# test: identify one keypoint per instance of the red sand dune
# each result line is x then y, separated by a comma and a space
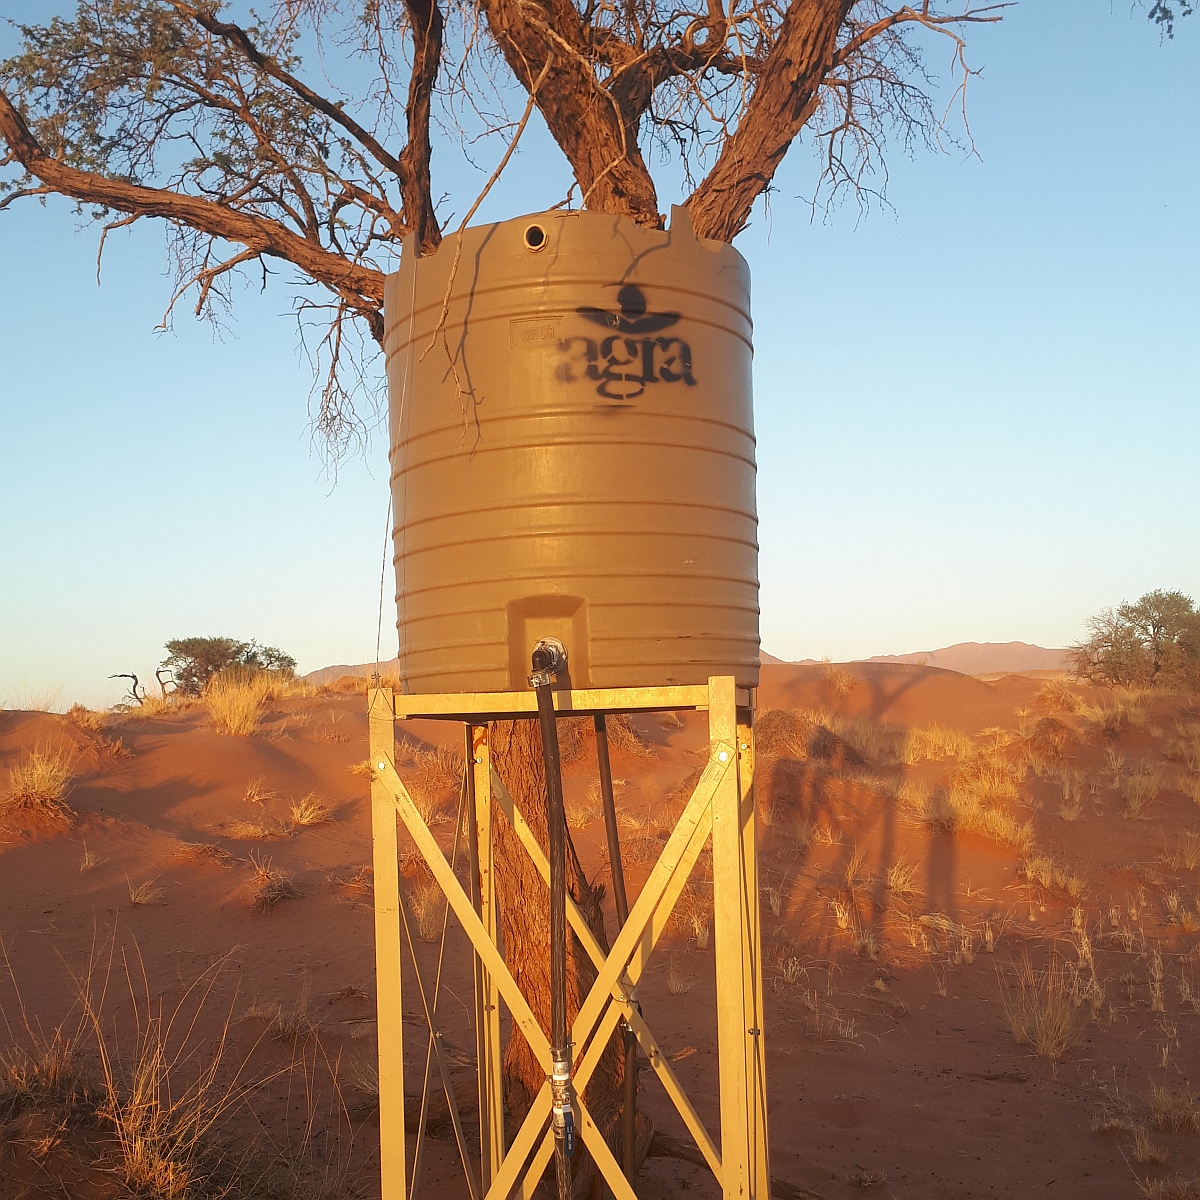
890, 946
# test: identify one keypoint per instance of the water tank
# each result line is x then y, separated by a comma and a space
572, 455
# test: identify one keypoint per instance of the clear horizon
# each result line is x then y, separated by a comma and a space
976, 410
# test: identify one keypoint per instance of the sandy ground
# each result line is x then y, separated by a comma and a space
892, 947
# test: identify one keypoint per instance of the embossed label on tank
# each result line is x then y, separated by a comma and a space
627, 361
534, 332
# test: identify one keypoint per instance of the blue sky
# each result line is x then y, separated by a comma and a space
978, 410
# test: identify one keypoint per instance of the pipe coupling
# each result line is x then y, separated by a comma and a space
549, 657
562, 1101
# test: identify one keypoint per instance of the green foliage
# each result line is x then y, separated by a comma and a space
195, 660
1153, 643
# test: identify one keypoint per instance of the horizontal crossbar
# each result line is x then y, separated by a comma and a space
483, 706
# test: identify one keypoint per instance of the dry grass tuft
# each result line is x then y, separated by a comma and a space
1042, 747
1057, 696
581, 813
901, 878
205, 852
40, 784
1139, 790
1071, 782
1045, 872
89, 862
840, 680
436, 769
934, 744
364, 769
258, 793
428, 906
271, 885
678, 981
86, 718
359, 886
1169, 1187
1176, 1110
145, 895
954, 809
48, 1074
310, 811
623, 735
1042, 1015
1145, 1151
253, 831
237, 699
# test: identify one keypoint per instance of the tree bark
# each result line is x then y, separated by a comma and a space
525, 927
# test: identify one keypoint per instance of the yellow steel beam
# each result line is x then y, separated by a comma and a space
489, 1051
481, 705
752, 995
628, 980
729, 932
644, 925
522, 1015
385, 857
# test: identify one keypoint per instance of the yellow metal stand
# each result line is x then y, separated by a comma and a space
720, 807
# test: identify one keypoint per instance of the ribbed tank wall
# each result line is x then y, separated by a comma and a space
572, 455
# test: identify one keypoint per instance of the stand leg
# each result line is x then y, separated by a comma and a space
730, 937
382, 717
752, 964
489, 1052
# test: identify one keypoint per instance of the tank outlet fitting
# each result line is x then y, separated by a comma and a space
548, 659
562, 1099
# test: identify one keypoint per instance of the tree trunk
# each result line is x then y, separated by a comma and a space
525, 926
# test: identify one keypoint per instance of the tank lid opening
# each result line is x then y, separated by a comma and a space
535, 238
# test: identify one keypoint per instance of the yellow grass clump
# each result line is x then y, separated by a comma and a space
271, 885
310, 811
237, 698
145, 895
934, 743
86, 718
1042, 1014
581, 813
1176, 1110
40, 782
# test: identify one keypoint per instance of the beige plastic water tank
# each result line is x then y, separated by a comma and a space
572, 455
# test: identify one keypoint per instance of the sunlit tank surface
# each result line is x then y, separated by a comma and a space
572, 455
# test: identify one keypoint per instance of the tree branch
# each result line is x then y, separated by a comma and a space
362, 286
785, 97
269, 66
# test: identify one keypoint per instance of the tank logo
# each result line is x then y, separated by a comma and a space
626, 361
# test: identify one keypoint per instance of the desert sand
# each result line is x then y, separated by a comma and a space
945, 862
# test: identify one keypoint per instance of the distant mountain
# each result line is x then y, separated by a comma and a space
968, 658
983, 658
392, 667
389, 666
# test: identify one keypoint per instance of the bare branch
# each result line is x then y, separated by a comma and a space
258, 233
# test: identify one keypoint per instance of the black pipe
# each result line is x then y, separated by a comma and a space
621, 900
548, 659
